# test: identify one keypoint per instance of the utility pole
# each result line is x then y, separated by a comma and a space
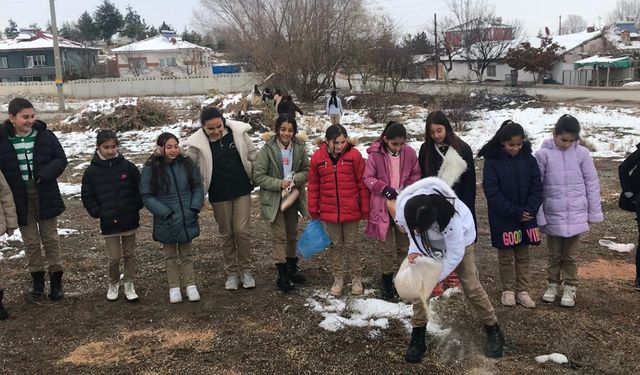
56, 56
559, 25
435, 34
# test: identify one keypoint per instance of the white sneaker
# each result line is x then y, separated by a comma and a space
175, 296
130, 292
232, 282
114, 289
551, 293
569, 296
192, 293
248, 281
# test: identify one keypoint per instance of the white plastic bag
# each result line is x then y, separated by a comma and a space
415, 282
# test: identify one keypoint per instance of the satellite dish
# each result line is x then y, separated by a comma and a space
173, 40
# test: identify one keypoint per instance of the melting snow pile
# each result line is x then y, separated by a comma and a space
554, 357
101, 108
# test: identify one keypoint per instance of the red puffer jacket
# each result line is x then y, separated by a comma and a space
336, 193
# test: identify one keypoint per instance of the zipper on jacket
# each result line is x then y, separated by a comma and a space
335, 175
184, 217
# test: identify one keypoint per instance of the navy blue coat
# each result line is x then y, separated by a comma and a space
49, 161
629, 174
512, 185
110, 193
175, 208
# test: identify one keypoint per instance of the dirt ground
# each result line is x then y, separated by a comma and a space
263, 331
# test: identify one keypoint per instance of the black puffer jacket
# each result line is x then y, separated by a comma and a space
110, 193
629, 173
49, 161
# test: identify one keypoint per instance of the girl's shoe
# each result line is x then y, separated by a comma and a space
508, 298
338, 284
524, 299
232, 282
175, 296
551, 293
130, 292
112, 292
569, 296
192, 293
356, 286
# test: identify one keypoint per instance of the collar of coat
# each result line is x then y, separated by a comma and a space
8, 130
452, 168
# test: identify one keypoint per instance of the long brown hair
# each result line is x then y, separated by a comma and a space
438, 117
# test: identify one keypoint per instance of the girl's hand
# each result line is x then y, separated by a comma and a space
525, 216
412, 257
285, 184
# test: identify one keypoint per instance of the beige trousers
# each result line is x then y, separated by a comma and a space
514, 278
563, 264
393, 249
343, 247
285, 234
183, 253
233, 223
121, 247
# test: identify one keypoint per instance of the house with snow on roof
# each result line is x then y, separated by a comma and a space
29, 57
576, 46
164, 55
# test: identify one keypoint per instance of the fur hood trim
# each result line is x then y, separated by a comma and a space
452, 168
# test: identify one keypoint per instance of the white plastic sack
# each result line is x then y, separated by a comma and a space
415, 282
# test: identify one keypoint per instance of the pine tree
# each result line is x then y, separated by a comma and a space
69, 30
165, 26
87, 29
134, 25
11, 31
35, 26
191, 37
152, 32
108, 20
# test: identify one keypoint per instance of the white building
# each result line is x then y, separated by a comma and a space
576, 46
165, 55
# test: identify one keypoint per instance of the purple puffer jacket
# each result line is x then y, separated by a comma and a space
571, 190
376, 177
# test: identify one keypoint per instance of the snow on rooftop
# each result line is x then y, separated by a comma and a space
37, 40
159, 43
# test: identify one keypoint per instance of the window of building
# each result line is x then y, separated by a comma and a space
491, 71
168, 62
4, 64
26, 79
37, 60
138, 63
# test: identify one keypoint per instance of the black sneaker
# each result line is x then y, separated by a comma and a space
495, 341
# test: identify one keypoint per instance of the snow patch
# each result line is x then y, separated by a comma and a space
554, 357
69, 189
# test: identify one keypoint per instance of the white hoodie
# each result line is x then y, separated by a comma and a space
459, 234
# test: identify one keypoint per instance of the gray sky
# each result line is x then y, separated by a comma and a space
411, 15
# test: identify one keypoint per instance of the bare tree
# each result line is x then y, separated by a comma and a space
303, 42
573, 24
626, 10
483, 39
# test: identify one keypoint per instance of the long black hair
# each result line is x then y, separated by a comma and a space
334, 99
285, 117
159, 176
421, 212
567, 124
507, 130
392, 130
438, 117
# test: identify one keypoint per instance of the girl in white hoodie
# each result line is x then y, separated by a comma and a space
439, 225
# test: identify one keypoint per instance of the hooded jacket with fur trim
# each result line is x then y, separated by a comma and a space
336, 192
376, 178
268, 174
198, 149
459, 233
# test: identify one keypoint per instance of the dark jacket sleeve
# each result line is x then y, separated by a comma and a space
52, 170
135, 176
495, 197
297, 109
197, 192
535, 188
468, 180
88, 195
624, 171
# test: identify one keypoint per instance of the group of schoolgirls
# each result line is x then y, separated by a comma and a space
432, 195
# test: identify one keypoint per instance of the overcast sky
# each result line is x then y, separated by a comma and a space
410, 15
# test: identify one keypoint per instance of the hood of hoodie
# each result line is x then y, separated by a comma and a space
496, 152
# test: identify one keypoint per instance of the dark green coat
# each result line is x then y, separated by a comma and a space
268, 174
175, 210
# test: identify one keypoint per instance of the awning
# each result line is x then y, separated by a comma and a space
604, 62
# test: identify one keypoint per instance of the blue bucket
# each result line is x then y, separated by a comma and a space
314, 239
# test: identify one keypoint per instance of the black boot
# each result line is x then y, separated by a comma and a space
56, 293
284, 284
294, 275
387, 290
3, 312
417, 345
495, 341
37, 290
